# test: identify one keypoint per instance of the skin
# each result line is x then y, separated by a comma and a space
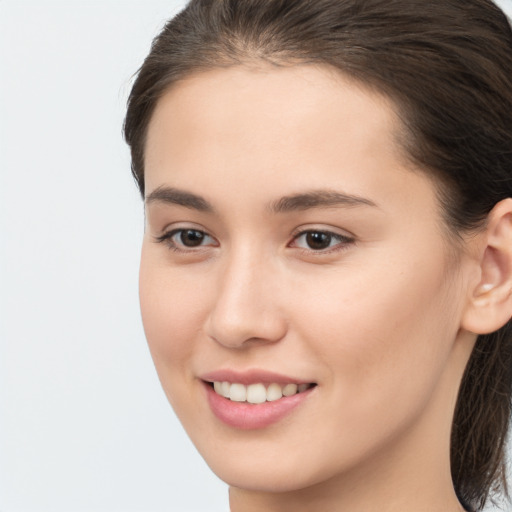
377, 320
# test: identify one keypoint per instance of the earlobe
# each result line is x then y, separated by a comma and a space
490, 300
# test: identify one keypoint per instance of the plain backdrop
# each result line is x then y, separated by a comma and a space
84, 425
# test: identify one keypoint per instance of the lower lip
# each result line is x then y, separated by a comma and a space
246, 416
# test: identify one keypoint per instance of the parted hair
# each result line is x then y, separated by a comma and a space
447, 66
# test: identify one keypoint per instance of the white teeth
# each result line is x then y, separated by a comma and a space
238, 393
257, 393
224, 389
274, 392
290, 389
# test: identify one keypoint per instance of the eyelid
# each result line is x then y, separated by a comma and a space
336, 232
344, 240
167, 238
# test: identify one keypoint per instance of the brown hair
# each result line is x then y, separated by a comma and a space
447, 65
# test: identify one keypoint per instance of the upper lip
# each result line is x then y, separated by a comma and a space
252, 376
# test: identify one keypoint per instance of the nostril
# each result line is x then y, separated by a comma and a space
237, 321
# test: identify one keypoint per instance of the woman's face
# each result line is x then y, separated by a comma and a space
288, 242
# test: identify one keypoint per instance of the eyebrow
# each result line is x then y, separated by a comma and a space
318, 199
169, 195
291, 203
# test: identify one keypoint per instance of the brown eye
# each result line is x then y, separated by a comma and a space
321, 241
187, 239
191, 237
317, 240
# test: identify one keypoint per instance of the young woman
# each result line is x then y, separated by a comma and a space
326, 274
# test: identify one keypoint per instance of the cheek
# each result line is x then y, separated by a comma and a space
384, 332
171, 314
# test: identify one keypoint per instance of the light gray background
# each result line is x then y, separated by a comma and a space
84, 425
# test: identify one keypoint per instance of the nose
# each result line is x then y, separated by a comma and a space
246, 309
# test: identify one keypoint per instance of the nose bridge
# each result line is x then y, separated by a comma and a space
245, 307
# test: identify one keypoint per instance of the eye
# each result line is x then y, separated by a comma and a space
189, 237
186, 239
316, 240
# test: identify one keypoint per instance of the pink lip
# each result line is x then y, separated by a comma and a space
250, 377
243, 415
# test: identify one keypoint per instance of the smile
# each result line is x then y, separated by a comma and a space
254, 405
257, 393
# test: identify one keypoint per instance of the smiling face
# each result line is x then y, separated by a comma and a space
289, 242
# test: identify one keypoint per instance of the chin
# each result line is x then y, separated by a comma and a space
266, 466
274, 480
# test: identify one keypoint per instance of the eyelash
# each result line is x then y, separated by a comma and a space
343, 241
167, 239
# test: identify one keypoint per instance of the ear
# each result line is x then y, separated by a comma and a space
490, 299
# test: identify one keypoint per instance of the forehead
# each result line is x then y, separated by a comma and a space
266, 107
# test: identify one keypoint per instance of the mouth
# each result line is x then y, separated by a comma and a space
254, 398
259, 392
